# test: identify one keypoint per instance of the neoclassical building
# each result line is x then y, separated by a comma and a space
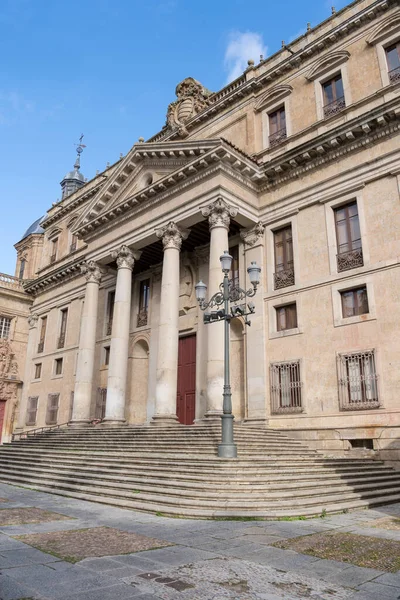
295, 165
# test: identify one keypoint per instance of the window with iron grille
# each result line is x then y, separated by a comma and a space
38, 370
393, 62
5, 324
110, 311
333, 94
52, 409
277, 126
101, 402
63, 328
286, 387
144, 298
284, 266
358, 381
31, 410
348, 236
354, 302
286, 317
58, 366
43, 327
74, 243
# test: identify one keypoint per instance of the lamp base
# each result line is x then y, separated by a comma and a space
227, 450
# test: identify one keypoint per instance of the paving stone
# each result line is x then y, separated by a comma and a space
355, 576
100, 564
376, 591
389, 579
12, 590
116, 592
30, 555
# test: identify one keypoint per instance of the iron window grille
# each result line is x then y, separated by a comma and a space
334, 101
284, 266
52, 409
393, 61
72, 247
334, 107
286, 387
278, 137
101, 402
40, 347
5, 325
144, 298
31, 410
277, 127
358, 381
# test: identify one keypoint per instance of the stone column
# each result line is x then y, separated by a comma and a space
118, 367
219, 214
256, 359
30, 351
87, 343
168, 330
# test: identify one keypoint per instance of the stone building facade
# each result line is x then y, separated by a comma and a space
295, 165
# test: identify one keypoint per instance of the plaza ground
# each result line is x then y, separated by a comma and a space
59, 548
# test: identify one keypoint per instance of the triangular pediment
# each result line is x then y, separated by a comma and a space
145, 167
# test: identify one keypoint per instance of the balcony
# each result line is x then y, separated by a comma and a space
284, 278
61, 341
349, 260
277, 138
142, 318
40, 347
394, 75
334, 107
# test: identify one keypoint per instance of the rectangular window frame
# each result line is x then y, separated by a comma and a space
344, 286
109, 311
54, 249
42, 334
381, 46
270, 254
142, 318
358, 380
31, 411
5, 327
37, 371
62, 327
286, 387
338, 103
276, 303
52, 408
290, 315
319, 95
267, 111
354, 294
57, 362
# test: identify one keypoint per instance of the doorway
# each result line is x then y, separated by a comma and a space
186, 392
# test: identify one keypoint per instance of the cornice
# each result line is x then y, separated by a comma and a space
62, 274
353, 135
67, 208
242, 86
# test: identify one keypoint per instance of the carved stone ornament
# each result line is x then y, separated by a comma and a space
124, 257
219, 213
172, 236
8, 364
252, 235
33, 320
192, 98
92, 271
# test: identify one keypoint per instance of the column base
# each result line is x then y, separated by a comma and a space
113, 422
79, 424
164, 420
213, 415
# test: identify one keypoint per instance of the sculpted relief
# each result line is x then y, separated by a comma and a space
8, 362
192, 98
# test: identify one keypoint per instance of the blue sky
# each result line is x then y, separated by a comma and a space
108, 68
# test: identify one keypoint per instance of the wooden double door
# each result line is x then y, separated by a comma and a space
186, 393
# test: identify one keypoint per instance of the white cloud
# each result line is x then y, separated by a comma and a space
241, 47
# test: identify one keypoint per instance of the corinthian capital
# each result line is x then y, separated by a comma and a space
172, 236
250, 236
32, 320
219, 213
124, 257
92, 271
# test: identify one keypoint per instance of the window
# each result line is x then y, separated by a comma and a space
31, 410
234, 272
110, 311
348, 237
5, 324
284, 267
58, 366
106, 356
144, 297
42, 338
63, 328
52, 409
358, 381
101, 401
277, 126
286, 317
285, 387
354, 302
38, 370
53, 252
74, 243
22, 265
333, 96
393, 62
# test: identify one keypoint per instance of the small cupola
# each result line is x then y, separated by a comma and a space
74, 179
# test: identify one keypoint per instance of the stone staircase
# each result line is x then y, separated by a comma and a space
176, 471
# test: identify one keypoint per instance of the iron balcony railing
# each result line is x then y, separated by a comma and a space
394, 75
276, 138
350, 260
334, 107
284, 278
142, 318
358, 381
286, 387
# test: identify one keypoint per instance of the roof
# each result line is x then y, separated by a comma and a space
34, 228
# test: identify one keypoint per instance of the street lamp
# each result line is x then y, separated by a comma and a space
228, 292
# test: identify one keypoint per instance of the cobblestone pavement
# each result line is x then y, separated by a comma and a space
206, 560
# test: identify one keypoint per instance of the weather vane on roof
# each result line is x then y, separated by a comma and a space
80, 146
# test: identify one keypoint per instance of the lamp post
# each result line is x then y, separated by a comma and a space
228, 292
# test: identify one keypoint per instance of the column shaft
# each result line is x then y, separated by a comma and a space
118, 367
87, 343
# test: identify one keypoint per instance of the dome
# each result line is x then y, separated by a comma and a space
34, 228
77, 175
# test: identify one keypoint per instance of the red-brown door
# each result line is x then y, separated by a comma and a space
186, 395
